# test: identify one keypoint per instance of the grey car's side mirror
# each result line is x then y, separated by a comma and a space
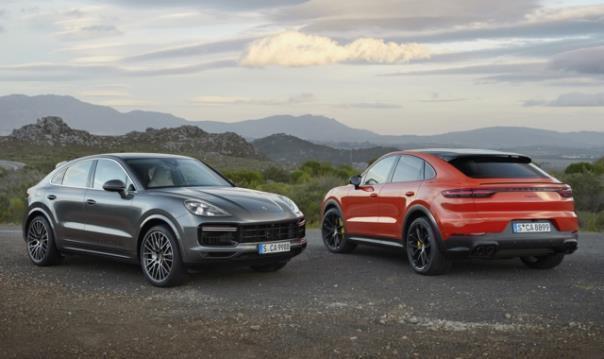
115, 186
356, 181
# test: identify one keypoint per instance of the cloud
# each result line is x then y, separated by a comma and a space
192, 50
236, 100
101, 29
369, 105
524, 67
554, 24
214, 4
50, 71
586, 61
299, 49
436, 98
297, 99
479, 10
575, 99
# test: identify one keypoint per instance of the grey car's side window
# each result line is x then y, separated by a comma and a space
58, 177
408, 169
107, 170
77, 174
379, 172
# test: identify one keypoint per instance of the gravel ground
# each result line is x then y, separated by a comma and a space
365, 304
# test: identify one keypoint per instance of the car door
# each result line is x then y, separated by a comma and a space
361, 206
111, 219
66, 196
396, 195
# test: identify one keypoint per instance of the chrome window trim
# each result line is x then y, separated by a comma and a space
91, 188
119, 164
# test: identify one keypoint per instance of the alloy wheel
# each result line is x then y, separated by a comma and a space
333, 230
158, 255
37, 240
419, 244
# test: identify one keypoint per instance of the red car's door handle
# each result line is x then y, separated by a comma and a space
410, 194
373, 194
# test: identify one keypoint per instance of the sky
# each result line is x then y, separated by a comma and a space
391, 66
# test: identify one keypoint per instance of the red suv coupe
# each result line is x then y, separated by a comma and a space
439, 204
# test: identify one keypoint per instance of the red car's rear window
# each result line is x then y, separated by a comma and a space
497, 167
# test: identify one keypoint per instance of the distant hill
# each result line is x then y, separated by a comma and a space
50, 139
309, 127
291, 150
19, 110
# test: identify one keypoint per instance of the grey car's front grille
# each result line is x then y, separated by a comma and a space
265, 232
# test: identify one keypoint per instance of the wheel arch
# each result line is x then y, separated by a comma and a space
157, 220
331, 203
38, 210
417, 211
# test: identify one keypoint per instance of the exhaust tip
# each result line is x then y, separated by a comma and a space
484, 250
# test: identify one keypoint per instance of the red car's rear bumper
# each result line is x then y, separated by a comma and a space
507, 244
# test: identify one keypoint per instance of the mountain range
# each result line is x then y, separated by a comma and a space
287, 149
19, 110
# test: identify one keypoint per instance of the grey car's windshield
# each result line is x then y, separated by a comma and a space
175, 172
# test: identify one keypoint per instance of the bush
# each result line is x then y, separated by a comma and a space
276, 174
248, 179
587, 190
580, 167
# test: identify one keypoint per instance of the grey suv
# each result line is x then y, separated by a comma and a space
165, 212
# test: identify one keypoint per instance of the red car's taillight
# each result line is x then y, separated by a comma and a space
566, 192
468, 193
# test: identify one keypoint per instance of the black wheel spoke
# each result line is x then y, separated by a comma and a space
419, 245
333, 230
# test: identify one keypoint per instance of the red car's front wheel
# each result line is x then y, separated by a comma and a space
422, 249
332, 231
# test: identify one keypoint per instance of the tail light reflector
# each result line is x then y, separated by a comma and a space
468, 193
566, 192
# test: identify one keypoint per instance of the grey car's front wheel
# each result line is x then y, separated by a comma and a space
160, 258
40, 241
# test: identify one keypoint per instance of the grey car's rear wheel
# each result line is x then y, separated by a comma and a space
543, 262
40, 242
160, 258
334, 234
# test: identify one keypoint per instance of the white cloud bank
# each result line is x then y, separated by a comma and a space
294, 48
575, 99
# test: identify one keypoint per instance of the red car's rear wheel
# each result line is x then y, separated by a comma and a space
422, 249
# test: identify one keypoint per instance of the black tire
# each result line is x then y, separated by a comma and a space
543, 262
334, 234
270, 267
160, 258
40, 242
422, 249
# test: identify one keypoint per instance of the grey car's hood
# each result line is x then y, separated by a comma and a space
245, 204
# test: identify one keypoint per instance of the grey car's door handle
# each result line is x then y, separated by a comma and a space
91, 202
51, 197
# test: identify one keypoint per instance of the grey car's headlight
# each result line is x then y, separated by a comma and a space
292, 206
201, 208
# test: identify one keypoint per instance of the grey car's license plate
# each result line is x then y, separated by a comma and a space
532, 227
274, 247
